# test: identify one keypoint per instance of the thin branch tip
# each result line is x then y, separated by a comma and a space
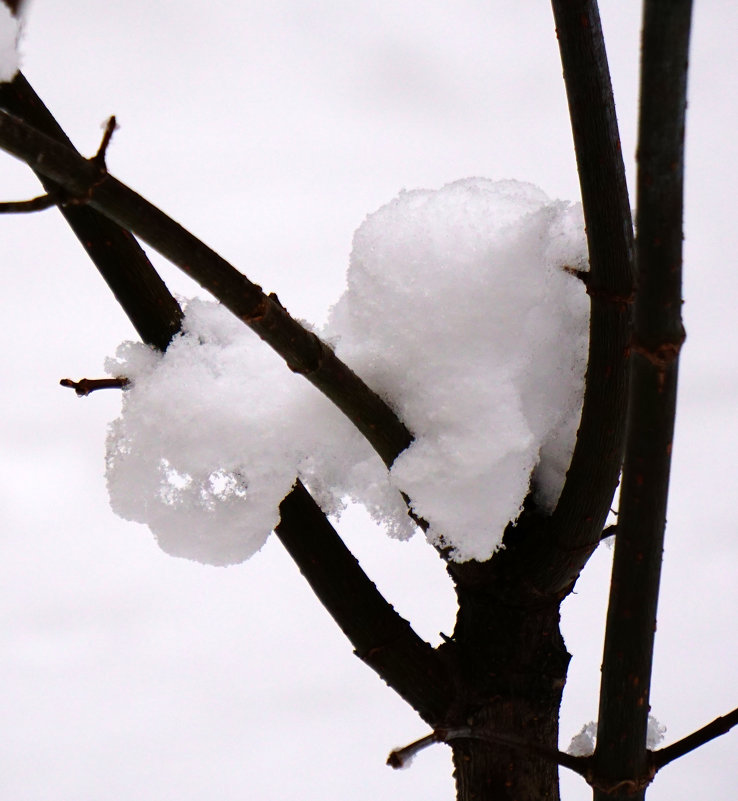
402, 757
85, 386
40, 203
99, 157
691, 742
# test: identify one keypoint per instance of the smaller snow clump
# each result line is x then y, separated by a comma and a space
583, 744
461, 311
9, 35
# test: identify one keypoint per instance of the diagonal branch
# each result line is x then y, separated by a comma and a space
380, 636
580, 515
121, 261
715, 728
657, 338
303, 351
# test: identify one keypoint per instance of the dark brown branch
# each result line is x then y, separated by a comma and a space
99, 157
85, 386
381, 638
716, 728
580, 515
121, 261
610, 531
25, 206
400, 756
303, 351
657, 338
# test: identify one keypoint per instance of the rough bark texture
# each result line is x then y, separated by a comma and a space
512, 668
509, 663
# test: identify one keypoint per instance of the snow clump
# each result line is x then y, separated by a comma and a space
583, 744
458, 312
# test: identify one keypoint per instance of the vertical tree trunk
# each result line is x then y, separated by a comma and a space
512, 668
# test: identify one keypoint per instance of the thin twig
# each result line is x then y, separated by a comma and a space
716, 728
401, 756
25, 206
99, 157
85, 386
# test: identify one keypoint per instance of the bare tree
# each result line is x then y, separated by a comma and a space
493, 690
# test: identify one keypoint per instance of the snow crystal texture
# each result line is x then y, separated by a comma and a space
458, 312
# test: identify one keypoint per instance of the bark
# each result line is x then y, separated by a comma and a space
585, 501
511, 667
621, 758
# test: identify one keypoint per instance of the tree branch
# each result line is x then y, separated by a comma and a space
400, 757
657, 339
716, 728
381, 638
121, 261
85, 386
576, 526
39, 203
303, 351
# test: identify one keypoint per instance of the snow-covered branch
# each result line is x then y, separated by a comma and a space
85, 182
380, 636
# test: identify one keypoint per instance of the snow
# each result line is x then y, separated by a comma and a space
583, 743
458, 312
9, 33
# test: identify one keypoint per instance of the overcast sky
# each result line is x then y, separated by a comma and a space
271, 130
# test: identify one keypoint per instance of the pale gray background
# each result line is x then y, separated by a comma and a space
271, 130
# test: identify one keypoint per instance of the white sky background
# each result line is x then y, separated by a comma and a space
271, 131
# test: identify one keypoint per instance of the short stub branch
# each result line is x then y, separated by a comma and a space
85, 386
40, 203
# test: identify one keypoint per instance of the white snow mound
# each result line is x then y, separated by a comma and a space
458, 312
